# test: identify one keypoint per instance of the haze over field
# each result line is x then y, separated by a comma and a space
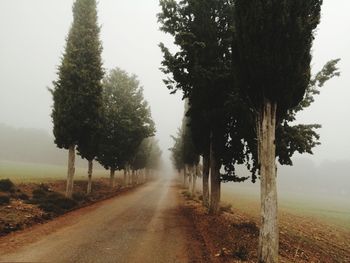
33, 38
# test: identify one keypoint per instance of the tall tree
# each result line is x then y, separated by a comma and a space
273, 41
148, 156
126, 122
77, 91
190, 153
201, 69
177, 152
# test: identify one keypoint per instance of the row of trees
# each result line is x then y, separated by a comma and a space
244, 69
104, 117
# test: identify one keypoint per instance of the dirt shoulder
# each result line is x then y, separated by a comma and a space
233, 236
24, 211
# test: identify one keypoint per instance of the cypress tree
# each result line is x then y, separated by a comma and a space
126, 121
272, 58
77, 92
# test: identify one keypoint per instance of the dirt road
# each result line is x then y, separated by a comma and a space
141, 226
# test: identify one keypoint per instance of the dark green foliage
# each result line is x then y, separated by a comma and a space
202, 70
177, 151
77, 92
52, 202
6, 185
4, 199
273, 40
127, 120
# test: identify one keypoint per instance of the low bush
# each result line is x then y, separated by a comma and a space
4, 199
23, 196
79, 196
242, 253
6, 185
52, 202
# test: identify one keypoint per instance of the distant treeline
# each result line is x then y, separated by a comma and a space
30, 145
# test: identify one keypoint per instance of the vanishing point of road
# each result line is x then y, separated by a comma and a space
142, 225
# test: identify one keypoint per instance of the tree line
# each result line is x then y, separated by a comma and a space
243, 68
102, 116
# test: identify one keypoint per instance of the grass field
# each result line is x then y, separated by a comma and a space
30, 172
328, 209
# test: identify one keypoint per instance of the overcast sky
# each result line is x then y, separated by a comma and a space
32, 40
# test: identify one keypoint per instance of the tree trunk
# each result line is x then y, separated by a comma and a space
268, 239
185, 176
190, 174
205, 179
129, 176
133, 177
147, 175
215, 183
112, 178
71, 171
125, 181
89, 177
194, 180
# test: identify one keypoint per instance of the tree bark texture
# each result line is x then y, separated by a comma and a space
112, 178
268, 239
89, 186
205, 179
215, 182
194, 179
190, 177
71, 171
125, 181
185, 175
133, 177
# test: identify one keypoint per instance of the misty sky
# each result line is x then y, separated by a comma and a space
32, 40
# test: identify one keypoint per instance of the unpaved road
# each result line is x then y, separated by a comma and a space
144, 225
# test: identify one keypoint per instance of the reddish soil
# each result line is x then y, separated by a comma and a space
19, 214
233, 237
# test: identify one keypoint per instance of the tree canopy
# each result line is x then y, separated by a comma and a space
77, 92
127, 120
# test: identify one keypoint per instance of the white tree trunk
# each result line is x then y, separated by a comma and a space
89, 186
112, 178
133, 177
190, 175
125, 181
185, 175
194, 180
71, 171
268, 239
215, 183
205, 181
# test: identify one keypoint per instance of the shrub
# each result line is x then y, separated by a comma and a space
39, 194
4, 200
6, 185
242, 253
23, 196
79, 196
52, 202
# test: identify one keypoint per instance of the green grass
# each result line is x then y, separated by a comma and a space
30, 172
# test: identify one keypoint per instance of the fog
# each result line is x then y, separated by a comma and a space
32, 41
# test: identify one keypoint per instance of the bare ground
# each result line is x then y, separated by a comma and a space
233, 236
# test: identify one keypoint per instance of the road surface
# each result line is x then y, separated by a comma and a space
143, 225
